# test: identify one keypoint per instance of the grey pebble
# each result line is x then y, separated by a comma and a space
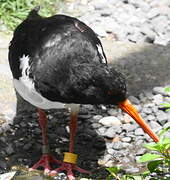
9, 149
139, 132
134, 100
112, 131
117, 145
126, 139
162, 117
129, 127
155, 126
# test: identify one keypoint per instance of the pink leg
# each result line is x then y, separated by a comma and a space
70, 166
46, 158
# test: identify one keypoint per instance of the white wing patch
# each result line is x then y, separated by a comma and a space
25, 70
100, 50
25, 87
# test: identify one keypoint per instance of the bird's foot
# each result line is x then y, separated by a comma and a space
45, 161
69, 168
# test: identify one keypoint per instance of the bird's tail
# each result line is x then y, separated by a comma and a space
34, 13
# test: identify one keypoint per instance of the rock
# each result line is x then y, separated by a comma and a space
127, 119
162, 117
147, 110
153, 13
101, 130
97, 117
110, 121
134, 100
159, 90
141, 152
111, 151
112, 131
128, 127
132, 170
125, 159
151, 117
109, 163
155, 126
9, 149
158, 99
139, 132
117, 145
112, 112
96, 125
126, 139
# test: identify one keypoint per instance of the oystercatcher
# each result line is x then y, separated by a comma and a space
59, 62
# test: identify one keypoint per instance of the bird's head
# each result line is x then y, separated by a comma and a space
117, 93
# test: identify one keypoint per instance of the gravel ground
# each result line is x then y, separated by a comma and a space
125, 20
112, 137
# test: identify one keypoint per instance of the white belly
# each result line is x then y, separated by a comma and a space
33, 97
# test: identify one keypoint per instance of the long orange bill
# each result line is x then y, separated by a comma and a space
131, 110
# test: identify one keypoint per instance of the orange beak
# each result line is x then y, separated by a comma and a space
131, 110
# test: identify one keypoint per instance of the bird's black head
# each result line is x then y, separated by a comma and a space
95, 83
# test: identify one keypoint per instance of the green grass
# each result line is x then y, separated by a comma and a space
13, 12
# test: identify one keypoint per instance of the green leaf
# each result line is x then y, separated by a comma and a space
110, 177
163, 131
167, 89
113, 169
152, 146
166, 140
149, 157
152, 165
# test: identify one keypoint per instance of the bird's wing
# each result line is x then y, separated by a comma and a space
92, 36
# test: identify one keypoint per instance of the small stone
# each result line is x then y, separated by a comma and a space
155, 126
153, 13
112, 131
101, 130
132, 170
141, 152
97, 117
9, 149
150, 117
110, 121
139, 132
111, 151
147, 110
129, 127
27, 146
112, 112
139, 141
134, 100
125, 160
105, 13
117, 145
96, 125
162, 117
126, 139
127, 118
158, 99
158, 90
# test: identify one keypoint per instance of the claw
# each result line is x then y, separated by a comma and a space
69, 168
45, 161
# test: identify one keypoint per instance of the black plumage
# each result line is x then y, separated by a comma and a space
65, 63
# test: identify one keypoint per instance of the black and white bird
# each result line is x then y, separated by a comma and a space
59, 62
